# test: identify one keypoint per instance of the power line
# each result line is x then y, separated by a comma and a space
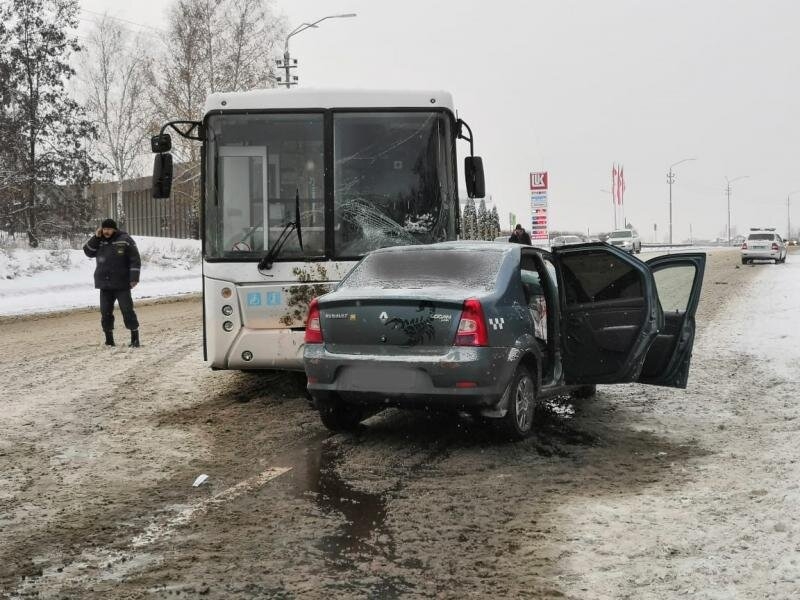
106, 15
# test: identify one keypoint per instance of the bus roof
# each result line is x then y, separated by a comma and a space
310, 98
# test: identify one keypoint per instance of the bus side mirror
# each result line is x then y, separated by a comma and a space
161, 143
473, 172
162, 175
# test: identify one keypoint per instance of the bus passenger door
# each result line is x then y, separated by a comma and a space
242, 181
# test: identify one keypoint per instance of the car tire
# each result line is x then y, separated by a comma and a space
744, 261
522, 406
583, 392
337, 415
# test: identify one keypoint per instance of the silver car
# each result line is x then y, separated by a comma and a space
565, 240
493, 329
626, 239
764, 244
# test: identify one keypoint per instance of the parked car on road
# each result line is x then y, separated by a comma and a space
565, 240
627, 239
493, 329
764, 244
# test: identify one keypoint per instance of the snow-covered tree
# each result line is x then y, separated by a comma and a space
483, 221
46, 128
468, 220
495, 219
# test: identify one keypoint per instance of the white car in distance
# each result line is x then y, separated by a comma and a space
626, 239
763, 244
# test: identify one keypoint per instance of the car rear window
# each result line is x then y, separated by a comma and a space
621, 234
761, 236
418, 269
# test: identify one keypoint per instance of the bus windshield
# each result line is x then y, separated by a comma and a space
392, 183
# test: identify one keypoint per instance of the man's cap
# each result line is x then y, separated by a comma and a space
109, 224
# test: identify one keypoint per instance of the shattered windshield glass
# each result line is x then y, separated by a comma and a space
394, 180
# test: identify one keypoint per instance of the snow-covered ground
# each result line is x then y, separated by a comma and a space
57, 278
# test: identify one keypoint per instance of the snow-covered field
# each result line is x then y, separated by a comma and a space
54, 277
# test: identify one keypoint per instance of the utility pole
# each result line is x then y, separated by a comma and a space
789, 214
670, 181
728, 191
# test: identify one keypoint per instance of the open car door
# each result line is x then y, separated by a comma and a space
679, 279
610, 313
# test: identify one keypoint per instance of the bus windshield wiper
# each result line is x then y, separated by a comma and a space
269, 258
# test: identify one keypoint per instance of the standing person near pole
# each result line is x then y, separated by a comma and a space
520, 236
116, 273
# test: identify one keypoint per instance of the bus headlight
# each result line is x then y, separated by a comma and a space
227, 292
227, 310
227, 326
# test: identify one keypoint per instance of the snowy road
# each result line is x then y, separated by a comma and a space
641, 492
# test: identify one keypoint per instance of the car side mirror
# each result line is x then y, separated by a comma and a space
473, 172
162, 175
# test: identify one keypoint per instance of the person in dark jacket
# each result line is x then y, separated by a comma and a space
116, 273
520, 236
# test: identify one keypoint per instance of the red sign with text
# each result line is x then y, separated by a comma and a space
539, 181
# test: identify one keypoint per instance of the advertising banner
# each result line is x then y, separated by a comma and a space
538, 191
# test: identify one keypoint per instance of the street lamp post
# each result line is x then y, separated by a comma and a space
287, 66
670, 181
728, 190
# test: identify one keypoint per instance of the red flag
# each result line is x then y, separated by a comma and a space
614, 183
621, 185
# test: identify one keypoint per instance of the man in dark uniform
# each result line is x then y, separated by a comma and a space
520, 236
116, 273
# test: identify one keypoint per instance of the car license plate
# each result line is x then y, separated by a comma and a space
383, 379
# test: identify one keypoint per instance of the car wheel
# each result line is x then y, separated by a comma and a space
337, 415
583, 392
522, 405
744, 261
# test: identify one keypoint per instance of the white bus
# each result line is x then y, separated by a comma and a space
297, 185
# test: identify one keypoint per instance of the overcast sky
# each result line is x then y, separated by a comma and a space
571, 87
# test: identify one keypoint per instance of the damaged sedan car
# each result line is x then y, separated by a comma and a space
494, 329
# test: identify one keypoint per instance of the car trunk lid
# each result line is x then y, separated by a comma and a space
390, 324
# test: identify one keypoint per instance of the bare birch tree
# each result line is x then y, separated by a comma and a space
210, 46
115, 69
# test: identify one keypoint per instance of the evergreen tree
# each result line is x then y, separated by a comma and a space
48, 128
483, 222
468, 222
495, 218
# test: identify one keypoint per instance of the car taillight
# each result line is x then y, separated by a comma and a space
744, 246
775, 246
472, 326
313, 327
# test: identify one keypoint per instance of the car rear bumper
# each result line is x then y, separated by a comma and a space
761, 254
462, 378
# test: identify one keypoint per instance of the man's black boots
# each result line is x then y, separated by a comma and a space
109, 338
134, 338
